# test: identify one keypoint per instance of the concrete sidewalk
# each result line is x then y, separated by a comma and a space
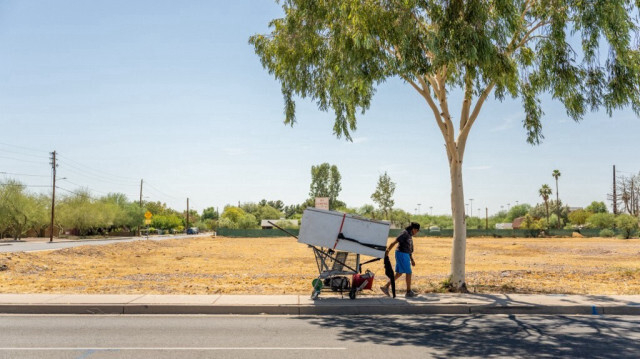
326, 304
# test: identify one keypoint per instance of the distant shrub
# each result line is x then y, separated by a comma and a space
606, 233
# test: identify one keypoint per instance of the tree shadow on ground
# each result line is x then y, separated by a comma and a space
495, 335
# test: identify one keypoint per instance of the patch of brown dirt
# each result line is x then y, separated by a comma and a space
283, 266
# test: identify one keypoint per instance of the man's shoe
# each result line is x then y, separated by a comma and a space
385, 290
411, 294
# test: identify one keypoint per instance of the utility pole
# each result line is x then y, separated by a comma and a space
471, 206
138, 230
53, 194
187, 214
486, 218
615, 197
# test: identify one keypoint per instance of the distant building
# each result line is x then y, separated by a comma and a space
504, 225
289, 223
517, 223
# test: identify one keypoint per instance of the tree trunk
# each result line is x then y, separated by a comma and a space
459, 228
546, 203
558, 204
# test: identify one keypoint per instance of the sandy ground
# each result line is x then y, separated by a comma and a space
209, 265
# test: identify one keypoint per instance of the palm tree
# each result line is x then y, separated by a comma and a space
555, 175
545, 192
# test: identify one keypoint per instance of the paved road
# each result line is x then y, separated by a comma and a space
478, 336
43, 246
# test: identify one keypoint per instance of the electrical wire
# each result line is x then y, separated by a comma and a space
23, 174
22, 147
154, 189
103, 173
22, 160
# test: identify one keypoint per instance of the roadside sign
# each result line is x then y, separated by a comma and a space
148, 215
322, 203
147, 221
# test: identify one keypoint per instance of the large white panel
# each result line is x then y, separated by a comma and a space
321, 228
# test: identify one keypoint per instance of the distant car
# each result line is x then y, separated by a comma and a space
193, 230
434, 229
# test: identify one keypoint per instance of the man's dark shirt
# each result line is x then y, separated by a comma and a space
405, 242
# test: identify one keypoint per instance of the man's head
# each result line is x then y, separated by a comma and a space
413, 228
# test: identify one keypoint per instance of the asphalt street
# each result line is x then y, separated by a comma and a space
17, 246
435, 336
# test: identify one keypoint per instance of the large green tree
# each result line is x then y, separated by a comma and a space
545, 192
325, 182
19, 210
337, 51
383, 195
556, 174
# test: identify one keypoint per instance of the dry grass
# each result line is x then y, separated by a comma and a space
283, 266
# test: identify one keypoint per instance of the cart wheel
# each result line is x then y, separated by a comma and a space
352, 293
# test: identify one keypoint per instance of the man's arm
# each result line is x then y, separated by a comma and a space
391, 247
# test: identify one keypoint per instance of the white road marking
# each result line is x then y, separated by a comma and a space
176, 348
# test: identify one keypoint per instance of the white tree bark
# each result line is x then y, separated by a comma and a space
458, 250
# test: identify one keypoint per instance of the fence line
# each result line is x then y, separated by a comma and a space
517, 233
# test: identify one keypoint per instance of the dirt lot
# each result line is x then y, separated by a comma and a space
282, 266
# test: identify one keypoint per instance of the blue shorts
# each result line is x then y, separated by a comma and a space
403, 262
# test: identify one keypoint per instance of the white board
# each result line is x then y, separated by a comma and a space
320, 228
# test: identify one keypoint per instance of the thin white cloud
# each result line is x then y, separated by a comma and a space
479, 168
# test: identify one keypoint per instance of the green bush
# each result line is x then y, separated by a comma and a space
606, 233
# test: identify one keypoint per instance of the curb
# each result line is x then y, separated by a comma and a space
178, 309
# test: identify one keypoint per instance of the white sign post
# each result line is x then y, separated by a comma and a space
322, 203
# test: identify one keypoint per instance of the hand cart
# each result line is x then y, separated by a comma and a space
338, 240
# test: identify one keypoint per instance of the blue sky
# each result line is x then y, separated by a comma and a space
171, 92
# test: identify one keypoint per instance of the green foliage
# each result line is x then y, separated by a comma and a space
237, 218
533, 226
287, 225
78, 212
517, 211
607, 233
325, 182
540, 210
475, 223
627, 223
167, 221
234, 214
597, 207
400, 218
248, 221
337, 51
279, 205
155, 207
579, 217
601, 220
19, 210
209, 213
268, 212
383, 194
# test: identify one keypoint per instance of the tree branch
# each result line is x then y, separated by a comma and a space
464, 131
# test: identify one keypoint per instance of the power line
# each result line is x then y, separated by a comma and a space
22, 160
159, 191
97, 170
78, 171
25, 148
23, 174
21, 153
